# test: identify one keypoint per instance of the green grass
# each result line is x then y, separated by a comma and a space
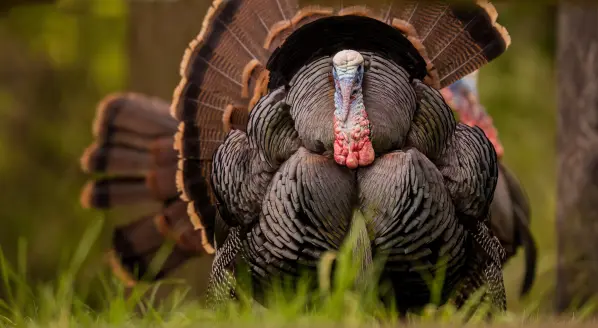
64, 303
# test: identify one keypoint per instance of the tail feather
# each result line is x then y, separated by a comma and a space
146, 267
163, 152
135, 113
510, 223
138, 237
531, 256
245, 47
104, 193
523, 236
137, 245
124, 138
459, 41
521, 204
135, 163
161, 181
114, 159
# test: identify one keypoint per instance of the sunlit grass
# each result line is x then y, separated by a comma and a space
62, 304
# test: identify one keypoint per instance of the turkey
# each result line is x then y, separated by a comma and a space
134, 165
136, 244
318, 123
258, 85
510, 210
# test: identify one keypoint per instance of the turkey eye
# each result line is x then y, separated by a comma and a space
354, 92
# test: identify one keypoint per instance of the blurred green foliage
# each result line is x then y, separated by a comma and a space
57, 62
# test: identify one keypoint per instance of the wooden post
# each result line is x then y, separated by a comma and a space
577, 208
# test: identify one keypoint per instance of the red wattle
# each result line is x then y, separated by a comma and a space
352, 161
352, 145
366, 154
339, 157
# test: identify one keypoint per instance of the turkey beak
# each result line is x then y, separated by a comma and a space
346, 87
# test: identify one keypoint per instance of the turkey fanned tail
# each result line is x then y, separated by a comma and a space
227, 68
132, 163
290, 199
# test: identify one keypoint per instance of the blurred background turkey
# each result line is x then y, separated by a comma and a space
59, 60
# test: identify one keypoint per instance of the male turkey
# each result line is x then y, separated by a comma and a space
345, 118
510, 210
393, 151
124, 146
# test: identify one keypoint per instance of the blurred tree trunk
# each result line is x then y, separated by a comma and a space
159, 33
577, 208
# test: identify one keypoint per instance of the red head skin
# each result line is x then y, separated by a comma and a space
352, 144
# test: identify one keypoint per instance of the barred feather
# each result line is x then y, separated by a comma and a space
228, 67
133, 162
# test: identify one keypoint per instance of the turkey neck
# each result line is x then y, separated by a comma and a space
387, 96
351, 128
352, 145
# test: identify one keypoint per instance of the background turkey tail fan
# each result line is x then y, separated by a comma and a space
523, 235
529, 246
510, 222
132, 163
225, 71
